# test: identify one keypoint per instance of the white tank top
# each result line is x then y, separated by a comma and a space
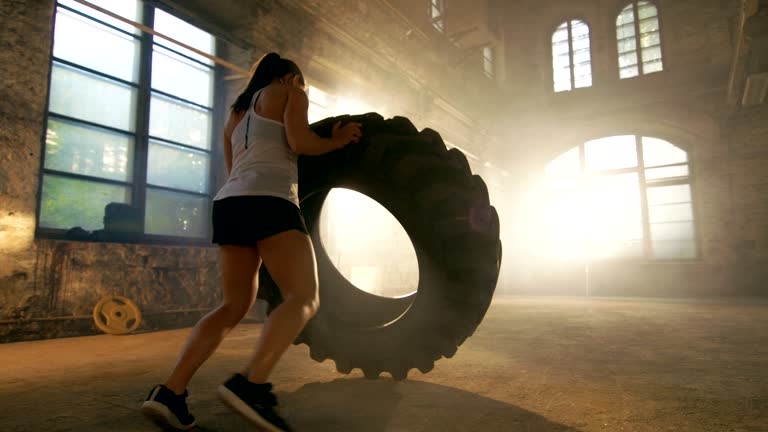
262, 161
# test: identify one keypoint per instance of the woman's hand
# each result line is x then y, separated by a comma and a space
343, 135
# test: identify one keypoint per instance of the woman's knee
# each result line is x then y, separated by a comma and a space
233, 313
309, 302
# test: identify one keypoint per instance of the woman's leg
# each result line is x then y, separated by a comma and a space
290, 258
239, 268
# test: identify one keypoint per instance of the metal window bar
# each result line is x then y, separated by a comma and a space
92, 18
178, 144
180, 191
85, 177
141, 136
181, 99
186, 56
72, 65
89, 123
151, 31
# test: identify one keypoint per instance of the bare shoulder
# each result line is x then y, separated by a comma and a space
297, 94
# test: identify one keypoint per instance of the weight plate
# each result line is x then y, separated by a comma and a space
116, 315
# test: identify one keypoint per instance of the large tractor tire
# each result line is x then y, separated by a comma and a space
445, 211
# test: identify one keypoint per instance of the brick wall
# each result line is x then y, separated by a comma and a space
686, 105
387, 53
367, 50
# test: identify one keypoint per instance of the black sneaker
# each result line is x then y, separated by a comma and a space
255, 402
167, 409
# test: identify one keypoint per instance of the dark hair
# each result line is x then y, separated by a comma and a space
269, 67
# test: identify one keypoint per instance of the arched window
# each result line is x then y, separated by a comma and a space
621, 196
639, 40
571, 59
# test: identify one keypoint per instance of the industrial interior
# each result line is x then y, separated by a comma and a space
606, 269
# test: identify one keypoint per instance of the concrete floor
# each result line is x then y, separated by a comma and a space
535, 364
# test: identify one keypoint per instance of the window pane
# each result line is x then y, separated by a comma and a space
561, 34
68, 203
666, 172
581, 44
674, 249
86, 150
179, 122
585, 81
671, 213
125, 8
627, 45
579, 29
650, 39
183, 32
178, 168
109, 51
676, 194
615, 215
649, 25
562, 62
629, 59
176, 75
560, 48
627, 16
176, 214
562, 78
672, 231
580, 57
651, 67
611, 153
583, 72
629, 72
625, 31
488, 53
93, 98
646, 10
651, 54
658, 152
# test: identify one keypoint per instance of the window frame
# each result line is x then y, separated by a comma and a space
647, 240
638, 49
139, 185
571, 64
489, 60
440, 18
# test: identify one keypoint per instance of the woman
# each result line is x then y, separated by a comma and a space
256, 218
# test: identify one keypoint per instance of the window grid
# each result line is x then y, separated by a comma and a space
638, 37
136, 141
488, 62
437, 14
571, 56
665, 202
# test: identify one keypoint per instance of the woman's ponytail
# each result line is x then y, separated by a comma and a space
269, 67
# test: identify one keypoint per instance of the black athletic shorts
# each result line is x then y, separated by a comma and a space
244, 220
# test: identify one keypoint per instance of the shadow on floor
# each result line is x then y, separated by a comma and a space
382, 405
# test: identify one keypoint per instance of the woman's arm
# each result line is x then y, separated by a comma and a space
302, 139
